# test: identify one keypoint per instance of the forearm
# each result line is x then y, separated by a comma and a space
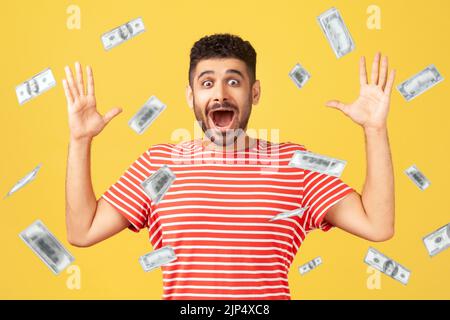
80, 197
378, 196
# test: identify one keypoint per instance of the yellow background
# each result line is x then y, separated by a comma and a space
414, 33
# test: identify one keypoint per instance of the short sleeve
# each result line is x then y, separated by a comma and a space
320, 193
127, 196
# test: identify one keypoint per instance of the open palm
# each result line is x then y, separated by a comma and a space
85, 122
371, 108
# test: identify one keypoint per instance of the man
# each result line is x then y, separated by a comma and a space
216, 213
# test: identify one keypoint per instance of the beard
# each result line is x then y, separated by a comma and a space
218, 114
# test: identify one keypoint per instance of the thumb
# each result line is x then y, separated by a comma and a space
111, 114
336, 104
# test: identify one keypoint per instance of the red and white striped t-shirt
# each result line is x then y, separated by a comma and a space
216, 216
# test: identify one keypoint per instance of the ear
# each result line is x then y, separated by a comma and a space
190, 96
256, 92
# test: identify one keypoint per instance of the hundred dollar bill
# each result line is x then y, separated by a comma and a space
284, 215
157, 258
310, 265
25, 180
299, 75
417, 177
319, 163
386, 265
420, 82
158, 183
46, 247
146, 115
438, 240
336, 31
122, 33
35, 86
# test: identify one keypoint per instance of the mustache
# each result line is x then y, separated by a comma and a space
223, 105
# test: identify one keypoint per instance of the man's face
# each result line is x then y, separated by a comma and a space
389, 268
222, 98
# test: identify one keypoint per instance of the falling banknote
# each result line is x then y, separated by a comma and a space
319, 163
336, 31
420, 82
146, 115
46, 247
158, 183
388, 266
25, 180
310, 265
438, 240
299, 75
122, 33
157, 258
284, 215
35, 86
417, 177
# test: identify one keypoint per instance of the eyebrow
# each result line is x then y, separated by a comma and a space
228, 71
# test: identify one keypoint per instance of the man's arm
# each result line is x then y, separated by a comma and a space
370, 215
87, 220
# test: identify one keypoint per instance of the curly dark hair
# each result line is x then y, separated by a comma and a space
223, 45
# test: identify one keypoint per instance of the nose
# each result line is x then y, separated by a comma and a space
220, 92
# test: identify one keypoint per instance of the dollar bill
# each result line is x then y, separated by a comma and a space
438, 240
157, 258
420, 82
122, 33
336, 31
299, 75
284, 215
310, 265
386, 265
417, 177
25, 180
319, 163
158, 183
146, 115
35, 86
46, 247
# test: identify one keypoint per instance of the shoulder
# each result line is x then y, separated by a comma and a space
172, 146
172, 150
281, 147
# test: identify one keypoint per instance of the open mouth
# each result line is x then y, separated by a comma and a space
222, 119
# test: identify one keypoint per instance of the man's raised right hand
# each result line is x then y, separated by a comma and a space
84, 120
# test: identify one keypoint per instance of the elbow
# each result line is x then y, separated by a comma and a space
383, 235
78, 242
77, 236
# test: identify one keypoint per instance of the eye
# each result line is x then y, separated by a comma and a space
204, 83
233, 82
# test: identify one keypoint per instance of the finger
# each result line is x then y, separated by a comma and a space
390, 83
90, 81
67, 92
383, 72
80, 84
111, 114
375, 68
362, 71
336, 104
72, 87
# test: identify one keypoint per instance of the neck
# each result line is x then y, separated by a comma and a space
242, 142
